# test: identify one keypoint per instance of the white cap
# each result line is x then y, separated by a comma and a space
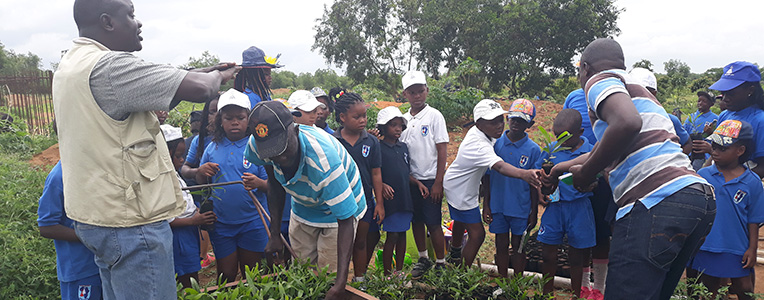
234, 97
487, 109
643, 77
304, 101
170, 132
388, 113
413, 77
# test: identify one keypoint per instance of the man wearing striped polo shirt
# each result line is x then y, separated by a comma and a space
324, 183
665, 208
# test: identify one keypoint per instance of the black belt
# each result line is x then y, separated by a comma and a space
704, 188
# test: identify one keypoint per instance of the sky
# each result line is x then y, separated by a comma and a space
704, 34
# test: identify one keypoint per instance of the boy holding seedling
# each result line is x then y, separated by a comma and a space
569, 212
462, 180
514, 205
427, 138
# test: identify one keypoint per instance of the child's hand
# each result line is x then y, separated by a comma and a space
387, 191
533, 218
544, 201
423, 190
209, 169
436, 193
749, 258
374, 132
251, 181
487, 216
379, 213
207, 218
532, 177
701, 146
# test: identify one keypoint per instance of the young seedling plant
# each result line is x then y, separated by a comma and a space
552, 145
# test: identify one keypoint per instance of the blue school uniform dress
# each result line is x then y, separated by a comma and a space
511, 197
75, 266
754, 115
395, 172
185, 239
238, 223
739, 202
367, 156
570, 213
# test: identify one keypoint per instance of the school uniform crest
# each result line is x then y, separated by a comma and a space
739, 195
523, 161
246, 163
84, 292
425, 130
406, 158
365, 150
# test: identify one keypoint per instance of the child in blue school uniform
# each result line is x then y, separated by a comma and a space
510, 205
185, 228
239, 237
397, 179
729, 250
350, 111
569, 212
76, 269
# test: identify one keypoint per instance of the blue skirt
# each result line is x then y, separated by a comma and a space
722, 265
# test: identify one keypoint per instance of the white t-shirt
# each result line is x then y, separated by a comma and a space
190, 206
423, 131
462, 181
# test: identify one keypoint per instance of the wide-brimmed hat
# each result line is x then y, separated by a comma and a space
254, 57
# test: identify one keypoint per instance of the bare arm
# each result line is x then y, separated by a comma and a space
376, 181
749, 257
437, 187
59, 232
344, 246
202, 85
276, 199
187, 171
530, 176
485, 187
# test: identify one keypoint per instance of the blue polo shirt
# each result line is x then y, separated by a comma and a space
234, 205
254, 98
512, 196
739, 202
700, 121
191, 158
327, 129
366, 155
680, 132
395, 173
754, 115
327, 185
577, 100
567, 191
73, 260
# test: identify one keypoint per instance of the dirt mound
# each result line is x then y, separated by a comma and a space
383, 104
47, 157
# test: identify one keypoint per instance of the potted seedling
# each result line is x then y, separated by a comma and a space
552, 145
708, 128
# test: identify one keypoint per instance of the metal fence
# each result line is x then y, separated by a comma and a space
29, 97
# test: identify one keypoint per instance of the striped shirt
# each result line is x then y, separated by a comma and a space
326, 187
653, 167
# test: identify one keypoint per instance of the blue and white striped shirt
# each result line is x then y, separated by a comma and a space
654, 166
326, 187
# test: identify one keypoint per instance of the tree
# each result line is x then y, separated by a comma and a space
12, 63
205, 60
283, 79
644, 63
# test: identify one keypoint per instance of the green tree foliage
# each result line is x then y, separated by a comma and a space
205, 60
324, 78
12, 63
644, 63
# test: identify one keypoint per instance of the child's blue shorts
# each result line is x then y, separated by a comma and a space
185, 249
471, 216
572, 218
506, 224
722, 265
226, 238
87, 288
426, 211
397, 222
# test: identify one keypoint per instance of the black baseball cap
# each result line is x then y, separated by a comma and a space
271, 121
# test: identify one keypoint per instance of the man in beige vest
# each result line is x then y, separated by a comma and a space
119, 185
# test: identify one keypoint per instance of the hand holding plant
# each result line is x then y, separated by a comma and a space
552, 144
206, 218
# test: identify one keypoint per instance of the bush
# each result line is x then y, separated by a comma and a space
455, 104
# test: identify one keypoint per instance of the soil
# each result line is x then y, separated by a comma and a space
47, 158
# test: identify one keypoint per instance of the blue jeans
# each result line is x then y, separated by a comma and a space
134, 262
650, 248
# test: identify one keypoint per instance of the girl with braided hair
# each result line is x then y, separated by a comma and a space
350, 113
254, 79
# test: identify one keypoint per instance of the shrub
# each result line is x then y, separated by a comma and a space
454, 103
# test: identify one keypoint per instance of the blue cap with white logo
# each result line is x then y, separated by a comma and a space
736, 74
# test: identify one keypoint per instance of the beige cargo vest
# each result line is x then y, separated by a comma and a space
116, 173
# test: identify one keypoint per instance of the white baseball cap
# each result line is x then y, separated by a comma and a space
304, 100
234, 97
170, 132
643, 77
413, 77
388, 113
487, 109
